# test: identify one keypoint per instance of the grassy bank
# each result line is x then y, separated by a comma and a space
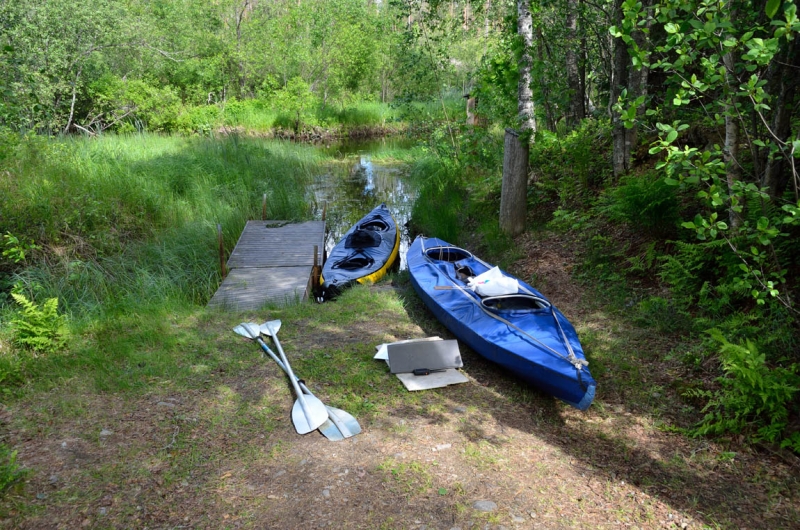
121, 221
154, 413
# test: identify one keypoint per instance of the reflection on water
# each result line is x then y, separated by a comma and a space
352, 188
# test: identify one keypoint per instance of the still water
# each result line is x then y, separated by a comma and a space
356, 184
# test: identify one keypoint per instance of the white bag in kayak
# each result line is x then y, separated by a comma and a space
493, 283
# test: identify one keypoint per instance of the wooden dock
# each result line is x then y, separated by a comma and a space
271, 263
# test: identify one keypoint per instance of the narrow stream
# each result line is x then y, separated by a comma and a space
357, 184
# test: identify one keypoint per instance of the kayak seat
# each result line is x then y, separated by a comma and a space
354, 262
514, 302
363, 239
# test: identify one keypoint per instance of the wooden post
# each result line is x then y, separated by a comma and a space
324, 209
264, 208
514, 193
222, 266
316, 273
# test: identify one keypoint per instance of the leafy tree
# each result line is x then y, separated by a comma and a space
296, 100
58, 45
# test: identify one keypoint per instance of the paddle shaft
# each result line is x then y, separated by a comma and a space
275, 358
290, 373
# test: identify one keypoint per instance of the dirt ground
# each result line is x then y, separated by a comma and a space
488, 454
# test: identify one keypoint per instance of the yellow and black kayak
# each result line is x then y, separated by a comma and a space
364, 255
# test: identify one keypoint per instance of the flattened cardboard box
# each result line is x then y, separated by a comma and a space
449, 376
433, 355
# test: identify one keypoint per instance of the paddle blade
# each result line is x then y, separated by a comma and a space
314, 415
270, 328
247, 330
346, 424
331, 431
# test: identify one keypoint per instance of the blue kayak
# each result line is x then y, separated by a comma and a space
520, 331
365, 253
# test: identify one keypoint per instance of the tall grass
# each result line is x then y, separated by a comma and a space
256, 115
128, 221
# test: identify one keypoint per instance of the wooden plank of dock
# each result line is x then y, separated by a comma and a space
271, 263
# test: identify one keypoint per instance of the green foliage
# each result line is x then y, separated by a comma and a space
497, 80
129, 105
10, 471
439, 208
296, 103
720, 55
574, 166
754, 397
40, 329
645, 203
16, 249
699, 274
663, 315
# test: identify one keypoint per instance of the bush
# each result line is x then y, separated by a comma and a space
10, 471
38, 328
645, 203
661, 314
753, 396
129, 105
574, 166
200, 119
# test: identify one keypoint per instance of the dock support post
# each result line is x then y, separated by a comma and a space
222, 267
316, 274
264, 208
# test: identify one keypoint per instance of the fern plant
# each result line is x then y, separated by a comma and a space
37, 328
10, 471
753, 396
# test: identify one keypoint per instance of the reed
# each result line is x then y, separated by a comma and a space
125, 221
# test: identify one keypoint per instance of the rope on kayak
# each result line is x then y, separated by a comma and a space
573, 359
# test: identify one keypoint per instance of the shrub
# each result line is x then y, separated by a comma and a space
645, 203
10, 471
38, 328
572, 167
753, 396
128, 105
661, 314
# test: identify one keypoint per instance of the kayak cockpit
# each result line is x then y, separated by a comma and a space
375, 225
514, 302
447, 254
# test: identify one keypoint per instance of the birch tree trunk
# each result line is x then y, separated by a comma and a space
524, 92
576, 107
620, 158
513, 197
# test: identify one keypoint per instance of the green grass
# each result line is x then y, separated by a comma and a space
127, 221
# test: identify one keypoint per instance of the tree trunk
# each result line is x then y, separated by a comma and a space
619, 79
786, 78
524, 91
637, 86
513, 199
576, 108
550, 119
730, 152
74, 98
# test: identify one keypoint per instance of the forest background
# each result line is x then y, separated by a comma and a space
663, 142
